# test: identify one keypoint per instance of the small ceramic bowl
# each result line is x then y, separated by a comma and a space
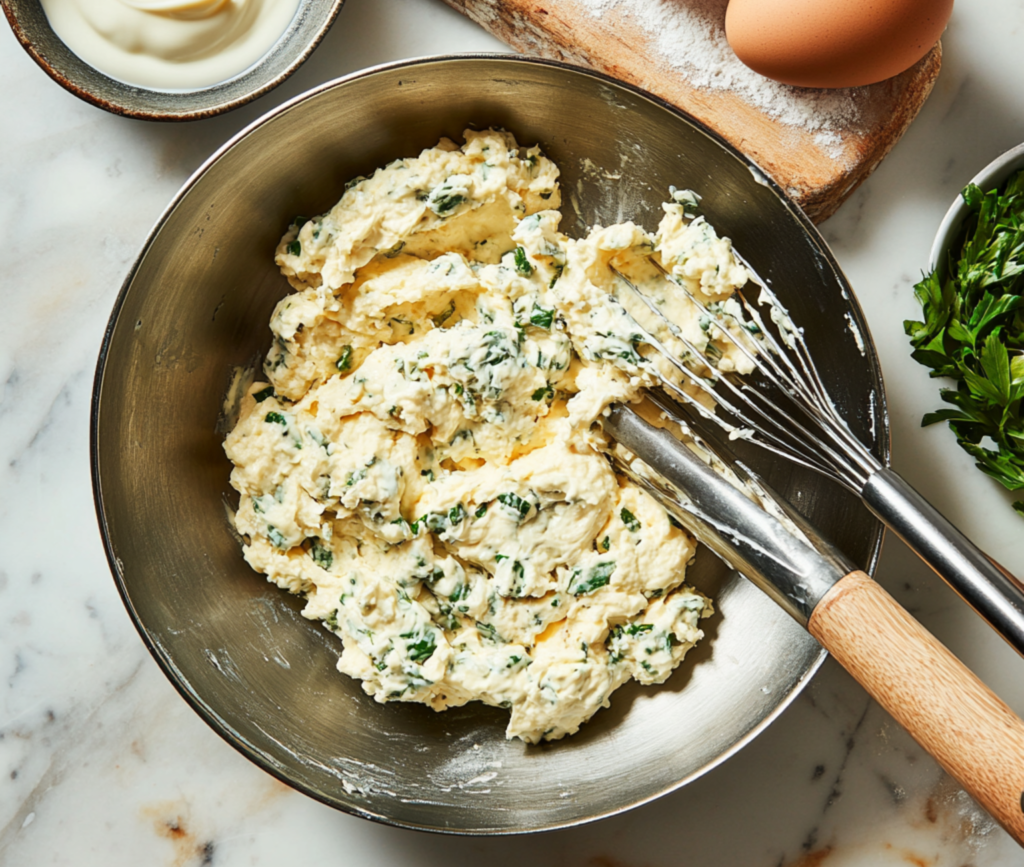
989, 178
311, 22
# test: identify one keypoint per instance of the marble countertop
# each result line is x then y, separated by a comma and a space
101, 762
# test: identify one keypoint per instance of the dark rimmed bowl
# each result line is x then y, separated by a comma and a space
193, 313
28, 21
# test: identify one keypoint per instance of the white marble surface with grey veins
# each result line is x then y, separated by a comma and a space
101, 762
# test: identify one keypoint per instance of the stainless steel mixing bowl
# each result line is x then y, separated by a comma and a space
195, 308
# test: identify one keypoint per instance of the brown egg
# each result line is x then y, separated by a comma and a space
834, 43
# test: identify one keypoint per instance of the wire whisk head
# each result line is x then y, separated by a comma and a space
793, 416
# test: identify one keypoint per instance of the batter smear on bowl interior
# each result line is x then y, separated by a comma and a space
419, 463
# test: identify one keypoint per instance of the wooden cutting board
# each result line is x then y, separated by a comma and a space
820, 160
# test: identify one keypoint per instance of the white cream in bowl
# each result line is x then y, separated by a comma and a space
170, 44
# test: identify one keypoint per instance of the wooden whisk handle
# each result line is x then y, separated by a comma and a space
976, 738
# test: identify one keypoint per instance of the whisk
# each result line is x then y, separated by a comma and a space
806, 428
941, 703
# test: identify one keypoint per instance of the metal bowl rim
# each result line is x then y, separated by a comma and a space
196, 702
83, 93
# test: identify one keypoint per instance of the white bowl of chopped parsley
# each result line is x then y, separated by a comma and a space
972, 333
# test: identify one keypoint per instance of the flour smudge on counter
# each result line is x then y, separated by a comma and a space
420, 463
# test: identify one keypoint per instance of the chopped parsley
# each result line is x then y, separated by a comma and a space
542, 317
617, 643
488, 632
523, 265
322, 556
420, 651
444, 199
345, 361
515, 504
973, 333
597, 576
630, 520
444, 315
499, 347
263, 394
434, 521
635, 628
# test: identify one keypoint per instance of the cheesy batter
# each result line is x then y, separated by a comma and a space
420, 464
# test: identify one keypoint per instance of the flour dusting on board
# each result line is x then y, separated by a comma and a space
690, 36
